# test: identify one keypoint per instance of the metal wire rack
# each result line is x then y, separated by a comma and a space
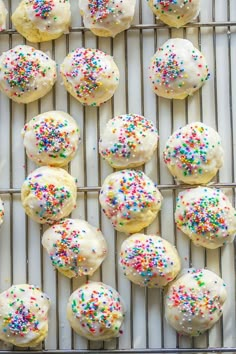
22, 258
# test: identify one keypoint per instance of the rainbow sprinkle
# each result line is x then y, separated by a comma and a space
165, 5
101, 9
42, 8
21, 321
169, 69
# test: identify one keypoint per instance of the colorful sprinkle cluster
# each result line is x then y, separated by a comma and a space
165, 5
194, 303
51, 198
21, 70
66, 250
189, 149
129, 193
133, 130
52, 137
87, 64
169, 69
205, 215
42, 8
147, 258
98, 309
101, 9
21, 321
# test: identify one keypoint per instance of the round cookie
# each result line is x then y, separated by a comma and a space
107, 18
3, 15
42, 20
23, 315
51, 138
48, 194
149, 260
193, 302
75, 247
26, 74
1, 212
177, 69
193, 153
206, 216
175, 13
128, 141
96, 311
90, 75
130, 200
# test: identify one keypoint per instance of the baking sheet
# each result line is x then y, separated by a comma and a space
22, 258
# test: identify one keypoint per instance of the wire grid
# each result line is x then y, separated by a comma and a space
22, 258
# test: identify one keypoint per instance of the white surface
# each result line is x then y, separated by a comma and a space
29, 263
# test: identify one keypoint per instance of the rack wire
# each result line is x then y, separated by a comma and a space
22, 258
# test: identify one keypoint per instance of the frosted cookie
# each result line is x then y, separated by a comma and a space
177, 69
193, 302
51, 138
1, 212
149, 260
107, 18
128, 141
193, 154
3, 15
130, 200
175, 13
206, 216
90, 75
26, 74
75, 247
23, 315
42, 20
96, 311
48, 194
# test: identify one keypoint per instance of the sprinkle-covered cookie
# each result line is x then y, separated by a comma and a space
107, 18
90, 75
96, 311
26, 74
75, 247
194, 302
177, 69
149, 260
42, 20
51, 138
193, 153
175, 13
24, 315
206, 216
128, 141
48, 194
130, 200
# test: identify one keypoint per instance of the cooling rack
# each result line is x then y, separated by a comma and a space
22, 258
